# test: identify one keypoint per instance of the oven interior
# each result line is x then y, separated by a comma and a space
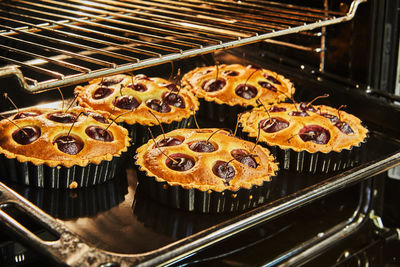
323, 47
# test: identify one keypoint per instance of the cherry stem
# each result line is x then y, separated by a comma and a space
217, 66
113, 120
195, 120
25, 133
227, 163
120, 89
12, 102
258, 101
248, 78
237, 123
229, 130
291, 99
155, 143
172, 70
62, 97
159, 123
311, 134
318, 97
258, 138
342, 106
72, 102
74, 122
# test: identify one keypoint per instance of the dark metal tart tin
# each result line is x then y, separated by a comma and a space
59, 177
220, 113
317, 162
70, 204
139, 134
203, 201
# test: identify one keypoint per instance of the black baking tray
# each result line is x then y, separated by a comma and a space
132, 229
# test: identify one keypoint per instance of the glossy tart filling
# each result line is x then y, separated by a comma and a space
55, 137
313, 128
131, 97
238, 85
206, 159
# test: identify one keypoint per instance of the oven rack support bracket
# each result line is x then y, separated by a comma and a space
64, 80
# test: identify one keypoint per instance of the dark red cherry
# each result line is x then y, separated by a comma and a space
26, 135
273, 125
271, 79
98, 133
174, 99
330, 117
69, 144
303, 106
181, 162
172, 87
25, 114
170, 141
138, 87
344, 127
230, 73
102, 92
268, 86
243, 157
277, 109
62, 117
214, 85
246, 91
202, 146
158, 106
98, 117
126, 102
298, 113
142, 77
107, 81
224, 171
315, 133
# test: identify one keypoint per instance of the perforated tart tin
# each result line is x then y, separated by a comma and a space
222, 174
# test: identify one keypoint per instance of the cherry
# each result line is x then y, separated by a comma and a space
69, 144
170, 141
202, 146
273, 125
268, 86
138, 87
246, 91
271, 79
26, 135
230, 73
126, 102
98, 133
330, 117
315, 133
181, 162
62, 117
102, 92
171, 87
224, 170
344, 127
277, 109
303, 106
98, 117
107, 81
25, 114
214, 85
158, 106
298, 113
243, 157
174, 99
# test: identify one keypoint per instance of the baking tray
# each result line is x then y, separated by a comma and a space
121, 233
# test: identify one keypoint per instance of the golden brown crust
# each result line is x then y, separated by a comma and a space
43, 151
195, 79
156, 89
151, 160
290, 138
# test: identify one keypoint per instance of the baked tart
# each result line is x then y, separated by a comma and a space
207, 170
60, 149
307, 137
130, 98
235, 87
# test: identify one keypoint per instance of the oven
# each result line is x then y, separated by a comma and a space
348, 48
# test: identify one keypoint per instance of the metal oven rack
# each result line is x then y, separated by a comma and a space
48, 44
